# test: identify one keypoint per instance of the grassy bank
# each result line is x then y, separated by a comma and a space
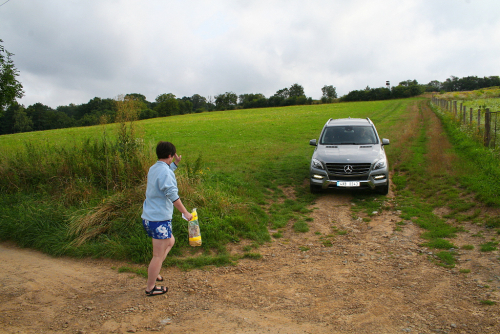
480, 167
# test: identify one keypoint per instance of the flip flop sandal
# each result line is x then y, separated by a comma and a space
156, 289
159, 279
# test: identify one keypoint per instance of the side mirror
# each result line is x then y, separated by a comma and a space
385, 141
312, 142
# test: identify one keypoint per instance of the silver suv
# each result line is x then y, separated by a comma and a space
349, 154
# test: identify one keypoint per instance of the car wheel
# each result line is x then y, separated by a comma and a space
383, 190
315, 189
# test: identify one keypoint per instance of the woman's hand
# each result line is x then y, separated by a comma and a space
177, 158
188, 215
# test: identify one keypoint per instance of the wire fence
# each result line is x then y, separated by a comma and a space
481, 121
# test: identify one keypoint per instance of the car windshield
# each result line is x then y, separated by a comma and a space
348, 135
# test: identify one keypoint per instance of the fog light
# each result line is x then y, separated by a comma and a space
318, 177
379, 177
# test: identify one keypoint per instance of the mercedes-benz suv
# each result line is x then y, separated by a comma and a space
349, 154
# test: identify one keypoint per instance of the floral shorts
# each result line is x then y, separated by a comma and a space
158, 230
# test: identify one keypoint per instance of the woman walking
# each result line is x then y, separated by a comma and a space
161, 198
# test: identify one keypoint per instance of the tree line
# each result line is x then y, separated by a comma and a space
18, 118
411, 88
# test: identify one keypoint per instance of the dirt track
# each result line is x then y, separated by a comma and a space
374, 279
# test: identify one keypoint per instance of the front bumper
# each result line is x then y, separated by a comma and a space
320, 178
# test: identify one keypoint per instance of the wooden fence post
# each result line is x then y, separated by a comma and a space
478, 119
487, 136
464, 112
470, 120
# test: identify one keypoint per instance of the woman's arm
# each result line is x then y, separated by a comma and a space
179, 206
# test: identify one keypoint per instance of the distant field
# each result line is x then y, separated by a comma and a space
232, 138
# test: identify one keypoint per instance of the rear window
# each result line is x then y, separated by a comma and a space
348, 135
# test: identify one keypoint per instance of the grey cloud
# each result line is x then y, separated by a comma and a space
71, 51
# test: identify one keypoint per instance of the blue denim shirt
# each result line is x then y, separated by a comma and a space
161, 192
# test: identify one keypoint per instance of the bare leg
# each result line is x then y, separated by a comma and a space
161, 247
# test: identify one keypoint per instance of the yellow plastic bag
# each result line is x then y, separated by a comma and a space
194, 230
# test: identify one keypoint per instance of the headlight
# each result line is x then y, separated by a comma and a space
317, 164
380, 164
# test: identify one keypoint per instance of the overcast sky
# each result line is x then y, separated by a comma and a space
70, 51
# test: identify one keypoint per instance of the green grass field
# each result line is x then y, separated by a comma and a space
68, 193
238, 137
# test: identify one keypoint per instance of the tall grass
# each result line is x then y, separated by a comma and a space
101, 164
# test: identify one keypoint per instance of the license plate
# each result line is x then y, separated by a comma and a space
347, 184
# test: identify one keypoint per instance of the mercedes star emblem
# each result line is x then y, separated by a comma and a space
348, 169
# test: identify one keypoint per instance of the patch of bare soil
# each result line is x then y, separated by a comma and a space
373, 279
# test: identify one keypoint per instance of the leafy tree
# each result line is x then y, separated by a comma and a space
22, 123
491, 81
408, 83
433, 86
296, 90
167, 105
355, 95
283, 93
185, 107
289, 96
148, 113
199, 103
164, 97
329, 93
407, 88
40, 115
7, 119
210, 103
96, 107
10, 87
252, 100
71, 110
451, 84
136, 97
226, 101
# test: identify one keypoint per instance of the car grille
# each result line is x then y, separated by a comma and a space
339, 169
349, 178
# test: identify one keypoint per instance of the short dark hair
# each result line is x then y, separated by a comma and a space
164, 149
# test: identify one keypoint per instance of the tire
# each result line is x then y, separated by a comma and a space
315, 189
383, 190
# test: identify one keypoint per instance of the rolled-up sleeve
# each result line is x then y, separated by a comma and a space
168, 186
